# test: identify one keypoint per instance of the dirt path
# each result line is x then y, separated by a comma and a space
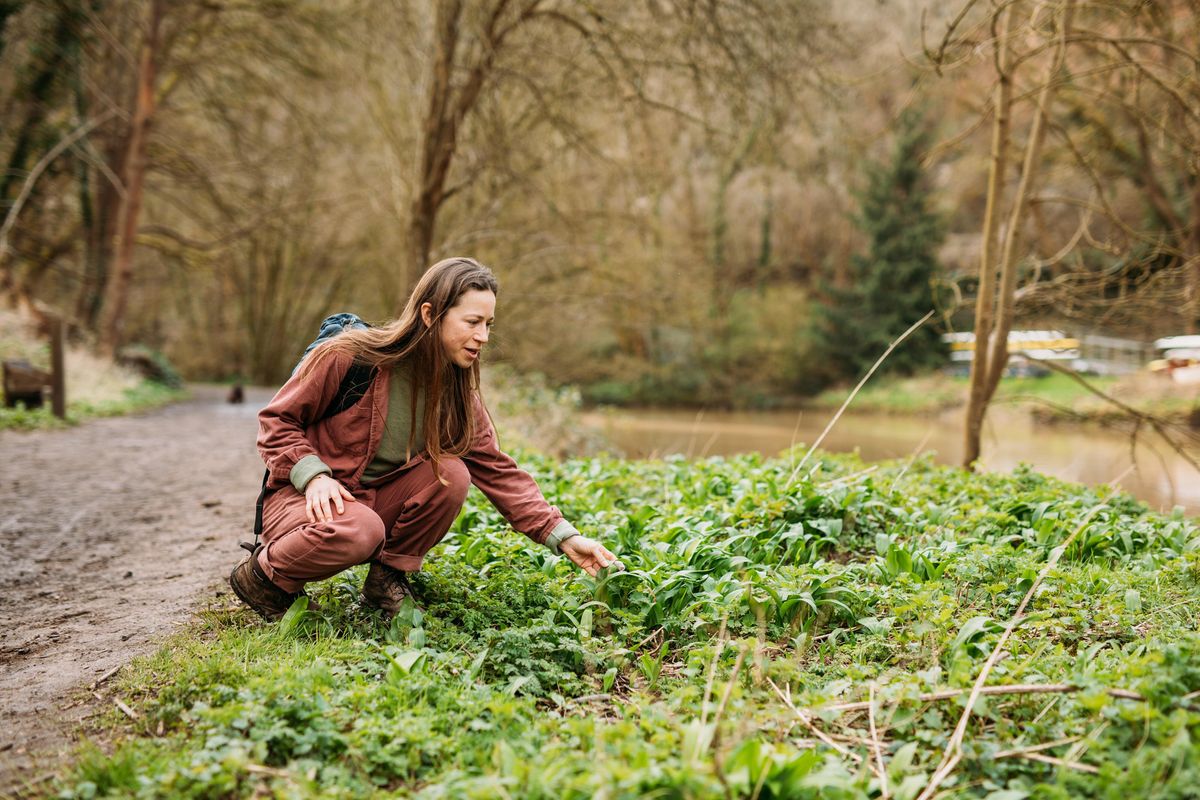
111, 534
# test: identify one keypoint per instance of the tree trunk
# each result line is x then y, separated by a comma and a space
439, 136
447, 111
991, 335
986, 294
116, 295
1010, 258
87, 302
1192, 265
40, 93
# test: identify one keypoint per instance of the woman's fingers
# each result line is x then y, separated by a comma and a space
325, 498
590, 556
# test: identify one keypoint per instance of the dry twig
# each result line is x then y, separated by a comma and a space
106, 675
715, 743
912, 328
126, 710
1036, 748
1061, 762
875, 745
1018, 688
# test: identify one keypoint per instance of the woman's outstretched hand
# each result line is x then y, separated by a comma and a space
589, 555
322, 496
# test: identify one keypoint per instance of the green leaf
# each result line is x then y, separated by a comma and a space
296, 620
409, 660
1133, 600
476, 664
969, 632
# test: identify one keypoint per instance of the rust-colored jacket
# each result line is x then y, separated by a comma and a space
347, 442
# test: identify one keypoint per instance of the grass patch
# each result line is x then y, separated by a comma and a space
525, 678
1052, 396
922, 394
139, 397
95, 386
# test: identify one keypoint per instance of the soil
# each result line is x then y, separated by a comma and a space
114, 533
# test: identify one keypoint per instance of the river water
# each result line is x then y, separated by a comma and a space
1150, 470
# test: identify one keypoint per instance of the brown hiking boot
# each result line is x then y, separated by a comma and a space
255, 589
386, 589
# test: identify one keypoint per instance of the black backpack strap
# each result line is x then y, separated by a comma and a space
354, 385
258, 509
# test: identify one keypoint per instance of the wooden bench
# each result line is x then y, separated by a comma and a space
24, 383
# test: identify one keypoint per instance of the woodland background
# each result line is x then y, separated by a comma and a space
732, 203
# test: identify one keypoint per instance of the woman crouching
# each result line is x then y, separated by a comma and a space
382, 480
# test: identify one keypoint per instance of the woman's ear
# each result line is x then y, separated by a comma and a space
427, 314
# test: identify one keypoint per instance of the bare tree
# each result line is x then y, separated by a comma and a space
675, 57
116, 293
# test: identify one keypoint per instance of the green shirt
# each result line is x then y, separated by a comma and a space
395, 449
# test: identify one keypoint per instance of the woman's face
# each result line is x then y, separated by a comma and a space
465, 326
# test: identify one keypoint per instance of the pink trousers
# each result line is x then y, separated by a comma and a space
396, 522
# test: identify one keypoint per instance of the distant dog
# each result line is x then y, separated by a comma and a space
236, 394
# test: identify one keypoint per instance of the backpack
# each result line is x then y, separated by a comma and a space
350, 391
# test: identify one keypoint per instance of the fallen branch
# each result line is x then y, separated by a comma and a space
587, 698
1075, 765
1019, 688
1037, 747
647, 640
126, 710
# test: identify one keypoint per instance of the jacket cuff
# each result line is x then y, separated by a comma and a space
562, 531
306, 469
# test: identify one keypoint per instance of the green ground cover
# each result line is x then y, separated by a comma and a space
751, 608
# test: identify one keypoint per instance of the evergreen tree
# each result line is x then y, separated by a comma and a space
891, 286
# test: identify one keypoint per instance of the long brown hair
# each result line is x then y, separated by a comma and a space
448, 420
